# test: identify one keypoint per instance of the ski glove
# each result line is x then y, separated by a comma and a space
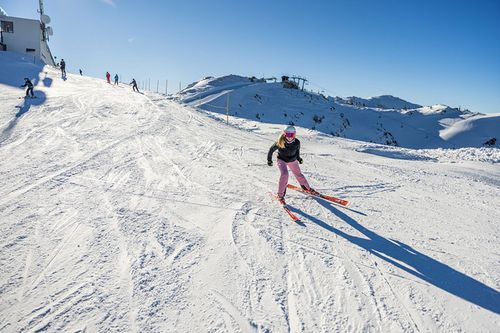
300, 160
270, 163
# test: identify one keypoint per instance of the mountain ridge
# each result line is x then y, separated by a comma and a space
384, 119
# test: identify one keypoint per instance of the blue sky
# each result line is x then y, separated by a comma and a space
423, 51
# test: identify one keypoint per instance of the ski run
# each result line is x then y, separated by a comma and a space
126, 212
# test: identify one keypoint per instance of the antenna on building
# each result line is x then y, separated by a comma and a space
40, 3
44, 20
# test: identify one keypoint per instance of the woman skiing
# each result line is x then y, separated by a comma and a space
288, 147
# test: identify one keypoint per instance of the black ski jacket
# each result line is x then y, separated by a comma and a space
290, 153
28, 84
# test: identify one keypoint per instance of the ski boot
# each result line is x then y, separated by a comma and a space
309, 190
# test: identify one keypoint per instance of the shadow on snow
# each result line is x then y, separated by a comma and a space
415, 263
19, 68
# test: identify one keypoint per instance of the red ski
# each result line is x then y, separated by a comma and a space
294, 217
341, 202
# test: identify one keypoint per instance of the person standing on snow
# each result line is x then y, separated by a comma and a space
63, 67
116, 79
29, 91
81, 73
134, 85
108, 76
288, 147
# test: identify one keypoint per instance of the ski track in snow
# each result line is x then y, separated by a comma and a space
129, 212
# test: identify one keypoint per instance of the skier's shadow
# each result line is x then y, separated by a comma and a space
29, 102
23, 109
414, 262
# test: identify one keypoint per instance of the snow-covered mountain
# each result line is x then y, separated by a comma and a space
126, 212
386, 120
380, 102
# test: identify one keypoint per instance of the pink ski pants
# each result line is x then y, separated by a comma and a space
295, 168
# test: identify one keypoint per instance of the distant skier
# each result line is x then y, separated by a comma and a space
108, 76
134, 85
116, 79
288, 147
29, 91
81, 73
63, 67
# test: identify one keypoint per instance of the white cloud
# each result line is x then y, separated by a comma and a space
109, 2
131, 39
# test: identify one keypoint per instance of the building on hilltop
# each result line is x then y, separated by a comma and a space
26, 36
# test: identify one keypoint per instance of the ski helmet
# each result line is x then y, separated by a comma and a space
289, 133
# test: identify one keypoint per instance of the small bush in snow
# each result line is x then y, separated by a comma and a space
491, 142
317, 119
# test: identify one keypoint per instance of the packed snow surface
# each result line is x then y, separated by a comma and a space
124, 212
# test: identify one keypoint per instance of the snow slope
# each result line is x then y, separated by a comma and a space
129, 212
386, 120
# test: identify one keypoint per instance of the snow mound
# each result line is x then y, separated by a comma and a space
210, 86
14, 68
484, 154
480, 128
489, 155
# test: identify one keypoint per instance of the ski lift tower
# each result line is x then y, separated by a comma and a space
298, 80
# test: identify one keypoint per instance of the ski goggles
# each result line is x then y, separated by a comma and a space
289, 135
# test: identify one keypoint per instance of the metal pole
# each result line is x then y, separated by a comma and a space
40, 3
157, 85
166, 87
149, 84
227, 109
